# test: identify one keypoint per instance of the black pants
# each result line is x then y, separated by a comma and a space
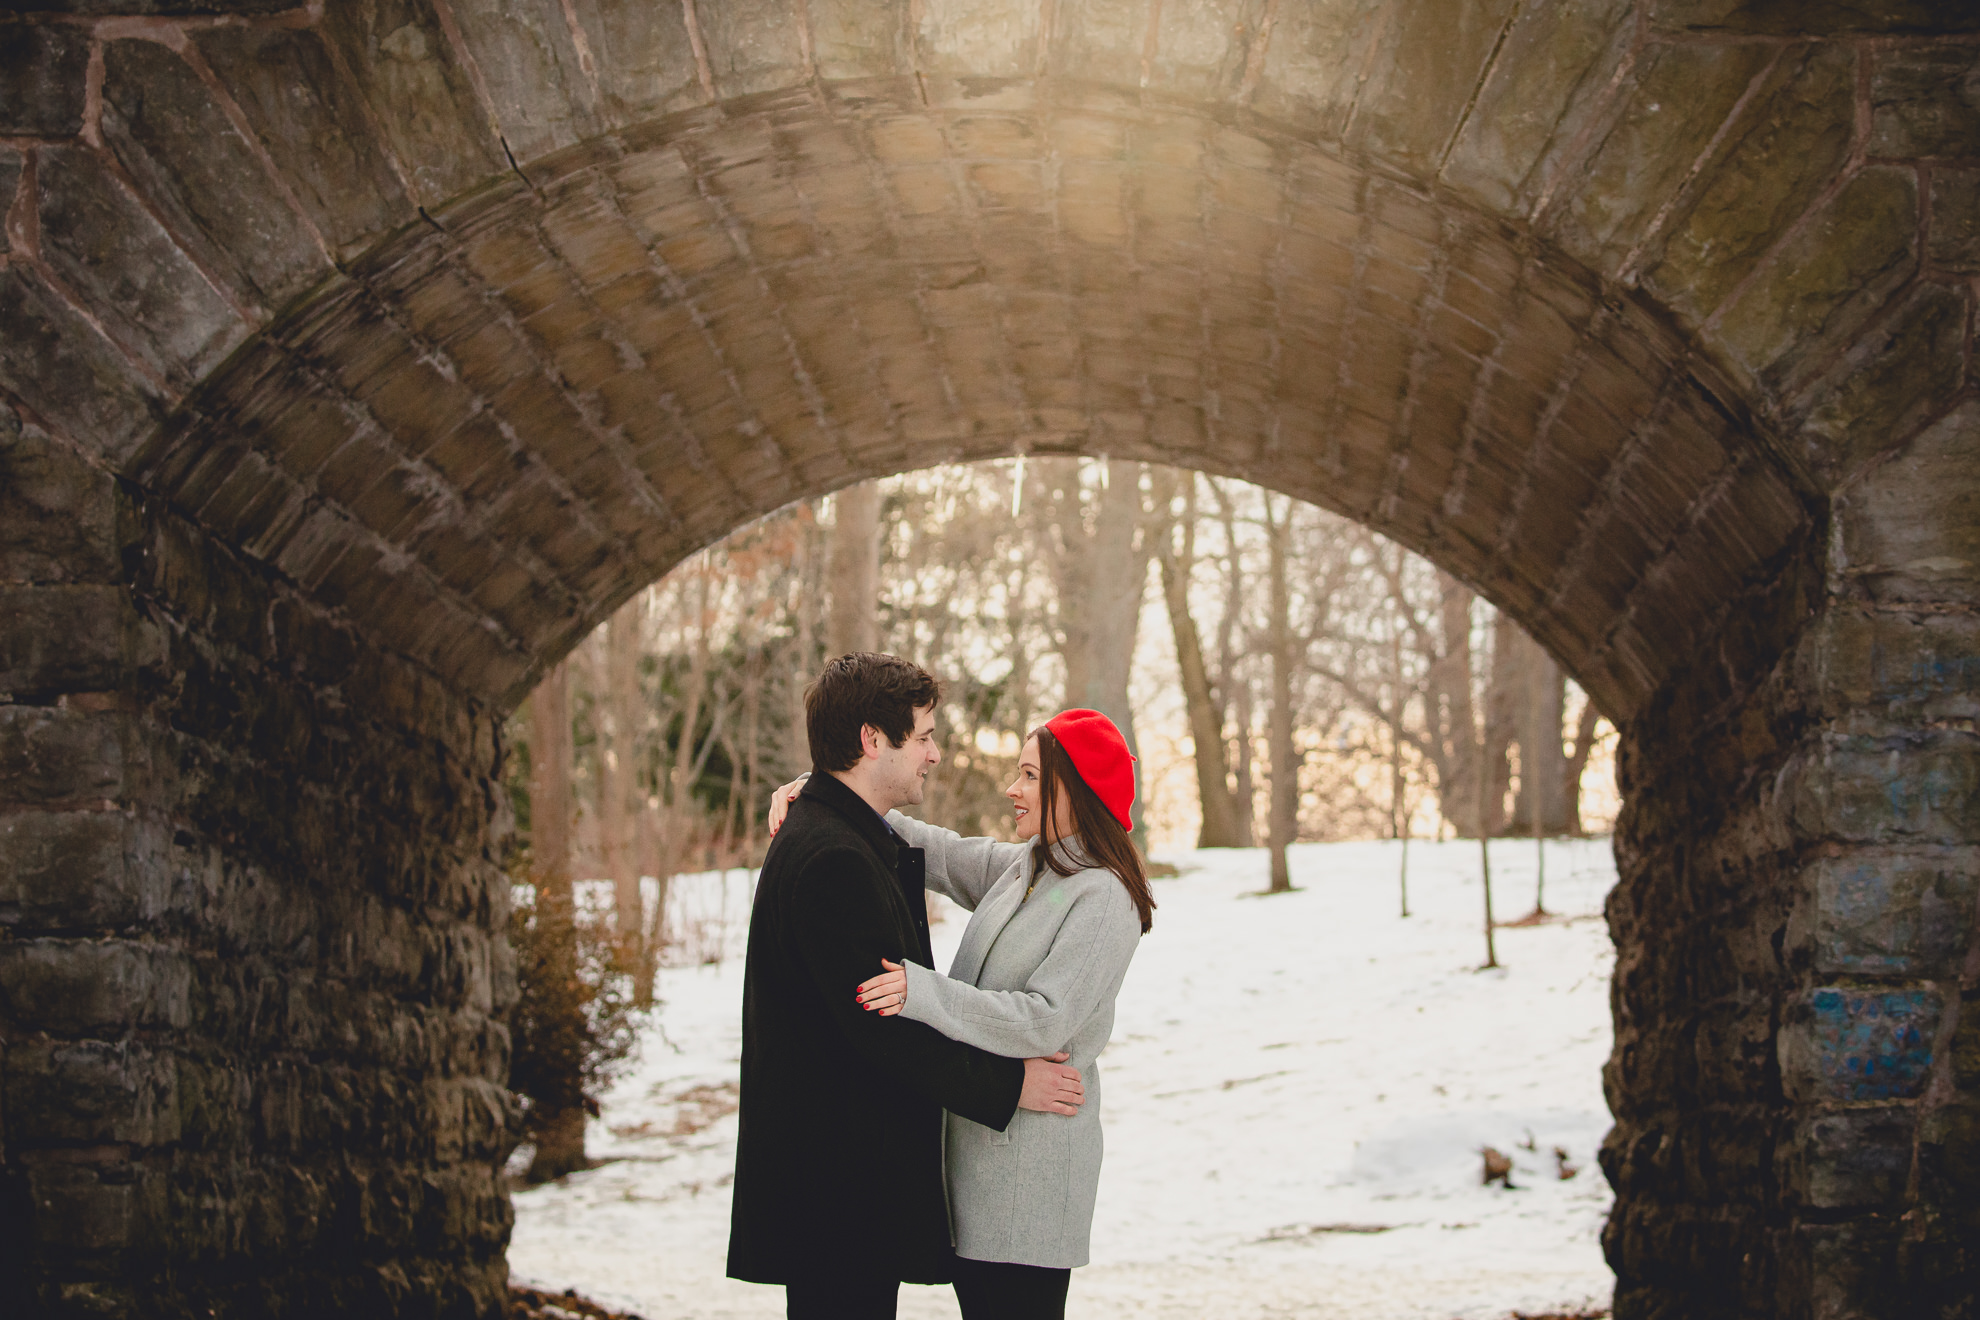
994, 1290
842, 1299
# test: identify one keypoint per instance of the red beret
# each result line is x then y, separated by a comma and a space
1101, 756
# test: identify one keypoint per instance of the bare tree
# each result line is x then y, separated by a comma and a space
1233, 682
621, 728
1454, 748
1282, 650
559, 1129
1175, 550
855, 570
1576, 764
1101, 573
1544, 793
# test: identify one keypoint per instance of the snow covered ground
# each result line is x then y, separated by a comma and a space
1298, 1090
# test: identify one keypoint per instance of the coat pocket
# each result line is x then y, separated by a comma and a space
970, 1133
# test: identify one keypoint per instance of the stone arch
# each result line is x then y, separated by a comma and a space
360, 359
675, 329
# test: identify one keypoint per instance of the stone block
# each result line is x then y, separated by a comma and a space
1554, 64
533, 76
109, 249
58, 639
1813, 18
1852, 1158
1850, 1271
1882, 913
182, 150
1910, 530
1887, 385
1831, 274
59, 365
1851, 1045
309, 642
55, 754
1424, 77
1793, 138
1949, 1193
215, 1101
1678, 98
1921, 97
10, 182
859, 38
42, 77
752, 47
1966, 1045
1313, 60
86, 1205
400, 57
1093, 39
644, 61
70, 870
312, 122
58, 514
78, 987
1202, 49
90, 1092
1923, 789
1955, 225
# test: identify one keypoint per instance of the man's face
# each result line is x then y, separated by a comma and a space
900, 774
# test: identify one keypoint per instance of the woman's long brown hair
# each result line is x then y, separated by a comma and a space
1100, 835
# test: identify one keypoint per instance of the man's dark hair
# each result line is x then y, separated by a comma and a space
860, 689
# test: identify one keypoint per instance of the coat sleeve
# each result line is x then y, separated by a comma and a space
963, 869
843, 930
1082, 970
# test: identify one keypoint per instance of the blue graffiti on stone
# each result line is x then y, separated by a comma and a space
1874, 1046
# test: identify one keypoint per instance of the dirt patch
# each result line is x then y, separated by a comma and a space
530, 1304
702, 1105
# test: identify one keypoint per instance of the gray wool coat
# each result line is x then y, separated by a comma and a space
1031, 978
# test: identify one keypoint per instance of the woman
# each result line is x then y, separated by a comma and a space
1055, 919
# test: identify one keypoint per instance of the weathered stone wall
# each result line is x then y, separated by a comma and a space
250, 965
420, 332
1796, 1076
1795, 1085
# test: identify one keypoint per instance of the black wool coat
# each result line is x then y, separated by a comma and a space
839, 1160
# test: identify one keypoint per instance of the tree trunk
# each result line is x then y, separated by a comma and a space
653, 933
1244, 792
1120, 582
1017, 692
854, 623
805, 607
619, 756
1485, 852
1283, 818
1398, 712
1101, 576
1542, 760
559, 1144
550, 781
755, 675
560, 1133
1455, 742
1233, 685
1505, 704
1577, 763
1219, 827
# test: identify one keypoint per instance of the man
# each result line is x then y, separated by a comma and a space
839, 1193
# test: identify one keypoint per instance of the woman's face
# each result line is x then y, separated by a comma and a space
1026, 796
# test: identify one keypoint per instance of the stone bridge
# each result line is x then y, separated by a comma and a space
356, 359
